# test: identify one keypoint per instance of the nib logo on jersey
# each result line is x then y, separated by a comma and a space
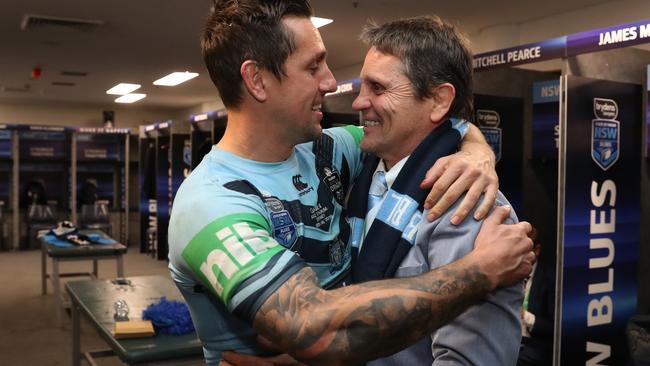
605, 137
301, 186
488, 122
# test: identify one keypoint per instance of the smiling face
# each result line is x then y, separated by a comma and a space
295, 101
395, 119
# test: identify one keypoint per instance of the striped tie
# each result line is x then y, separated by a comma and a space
378, 188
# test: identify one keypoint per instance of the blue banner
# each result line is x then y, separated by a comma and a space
99, 147
601, 220
44, 145
532, 52
5, 144
618, 36
546, 113
219, 113
102, 130
158, 126
346, 87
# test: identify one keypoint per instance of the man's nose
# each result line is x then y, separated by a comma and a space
361, 102
328, 84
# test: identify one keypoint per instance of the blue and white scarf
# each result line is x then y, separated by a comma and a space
393, 231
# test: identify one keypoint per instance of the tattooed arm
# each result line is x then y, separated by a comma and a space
363, 322
374, 319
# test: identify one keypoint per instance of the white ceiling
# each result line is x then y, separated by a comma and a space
142, 40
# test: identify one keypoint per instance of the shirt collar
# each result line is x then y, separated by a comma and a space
392, 174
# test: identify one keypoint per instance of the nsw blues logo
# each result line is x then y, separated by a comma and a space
604, 142
493, 138
605, 133
284, 229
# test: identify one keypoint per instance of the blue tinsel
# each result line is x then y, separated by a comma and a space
169, 317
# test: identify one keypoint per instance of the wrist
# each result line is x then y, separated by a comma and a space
485, 272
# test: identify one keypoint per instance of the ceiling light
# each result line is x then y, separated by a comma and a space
123, 88
175, 78
130, 98
319, 22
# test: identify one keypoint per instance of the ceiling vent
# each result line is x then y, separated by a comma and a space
9, 89
34, 21
63, 83
74, 73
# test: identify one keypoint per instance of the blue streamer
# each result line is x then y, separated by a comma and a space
169, 317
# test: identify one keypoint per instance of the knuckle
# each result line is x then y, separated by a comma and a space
437, 189
473, 172
472, 196
447, 200
440, 163
491, 194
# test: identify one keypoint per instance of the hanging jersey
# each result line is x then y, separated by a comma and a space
240, 228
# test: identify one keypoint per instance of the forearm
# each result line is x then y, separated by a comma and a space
474, 143
363, 322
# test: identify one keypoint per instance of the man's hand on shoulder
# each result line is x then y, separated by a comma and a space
504, 251
472, 171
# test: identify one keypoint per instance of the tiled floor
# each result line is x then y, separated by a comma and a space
29, 334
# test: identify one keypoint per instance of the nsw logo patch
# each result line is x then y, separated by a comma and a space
605, 142
284, 229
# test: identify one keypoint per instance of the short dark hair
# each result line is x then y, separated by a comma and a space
433, 52
240, 30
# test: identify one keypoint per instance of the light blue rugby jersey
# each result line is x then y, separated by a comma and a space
233, 220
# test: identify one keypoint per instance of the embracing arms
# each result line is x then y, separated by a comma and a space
362, 322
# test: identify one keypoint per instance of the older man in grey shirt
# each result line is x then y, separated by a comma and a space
416, 82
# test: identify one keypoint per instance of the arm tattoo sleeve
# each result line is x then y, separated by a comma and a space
366, 321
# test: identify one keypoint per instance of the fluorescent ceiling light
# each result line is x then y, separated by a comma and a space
175, 78
123, 88
319, 22
130, 98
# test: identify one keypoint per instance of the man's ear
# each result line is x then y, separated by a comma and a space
253, 80
443, 97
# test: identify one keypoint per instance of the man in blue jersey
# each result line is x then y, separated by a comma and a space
258, 229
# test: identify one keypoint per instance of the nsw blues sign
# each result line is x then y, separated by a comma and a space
599, 219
